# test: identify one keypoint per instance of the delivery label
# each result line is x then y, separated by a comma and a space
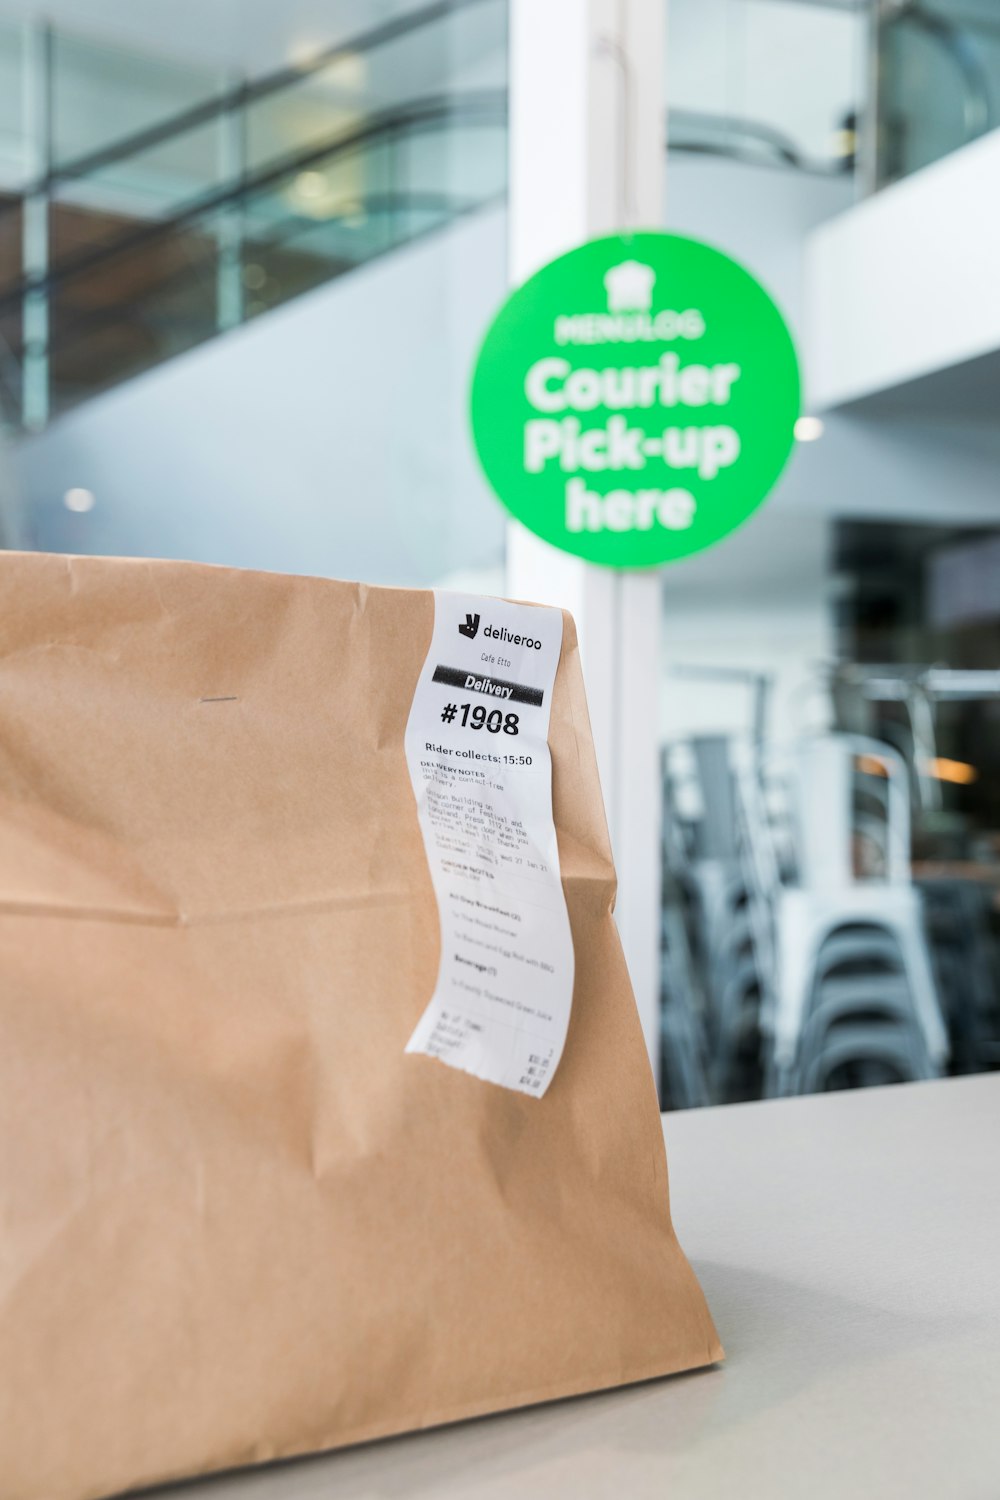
478, 756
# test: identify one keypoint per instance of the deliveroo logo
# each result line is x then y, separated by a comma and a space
635, 400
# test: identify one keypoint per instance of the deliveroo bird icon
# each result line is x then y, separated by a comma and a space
629, 286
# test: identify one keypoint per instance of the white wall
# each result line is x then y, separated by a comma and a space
908, 282
326, 437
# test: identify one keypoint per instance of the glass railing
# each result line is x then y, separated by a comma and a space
937, 81
764, 83
141, 247
166, 205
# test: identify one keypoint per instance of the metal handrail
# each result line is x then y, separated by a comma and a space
86, 323
742, 132
241, 97
483, 107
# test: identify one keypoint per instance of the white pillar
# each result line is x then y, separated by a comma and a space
587, 158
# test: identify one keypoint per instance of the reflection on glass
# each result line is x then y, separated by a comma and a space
938, 81
103, 93
14, 165
177, 207
832, 863
763, 81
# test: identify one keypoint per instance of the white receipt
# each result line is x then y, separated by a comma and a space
478, 754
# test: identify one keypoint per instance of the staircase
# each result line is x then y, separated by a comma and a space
114, 260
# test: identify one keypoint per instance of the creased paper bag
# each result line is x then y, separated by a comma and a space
237, 1219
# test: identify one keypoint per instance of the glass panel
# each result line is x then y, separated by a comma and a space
14, 165
227, 216
312, 224
764, 81
102, 96
333, 101
939, 82
832, 809
308, 226
116, 200
133, 309
831, 690
921, 630
102, 93
462, 158
13, 159
11, 231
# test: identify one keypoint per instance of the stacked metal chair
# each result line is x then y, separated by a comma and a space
855, 1000
684, 1070
795, 957
723, 948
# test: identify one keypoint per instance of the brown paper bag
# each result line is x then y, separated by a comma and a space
237, 1220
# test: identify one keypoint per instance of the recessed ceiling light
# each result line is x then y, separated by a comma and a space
79, 499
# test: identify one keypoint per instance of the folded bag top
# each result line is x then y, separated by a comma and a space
240, 1221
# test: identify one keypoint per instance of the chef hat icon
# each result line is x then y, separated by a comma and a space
629, 287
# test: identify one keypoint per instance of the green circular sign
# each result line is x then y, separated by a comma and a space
634, 401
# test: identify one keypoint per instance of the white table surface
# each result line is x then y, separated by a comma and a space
849, 1246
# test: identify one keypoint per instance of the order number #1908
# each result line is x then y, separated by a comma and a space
475, 716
